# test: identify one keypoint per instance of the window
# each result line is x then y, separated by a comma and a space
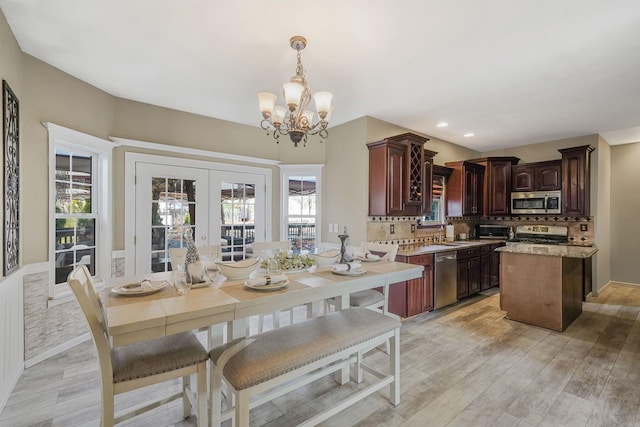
75, 229
436, 217
301, 190
80, 169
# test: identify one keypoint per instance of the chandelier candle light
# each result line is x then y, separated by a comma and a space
299, 122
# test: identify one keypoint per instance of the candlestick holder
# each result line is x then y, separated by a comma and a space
344, 256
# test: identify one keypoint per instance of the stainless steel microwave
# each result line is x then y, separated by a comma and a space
536, 202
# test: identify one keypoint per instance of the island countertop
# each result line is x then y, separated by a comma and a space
423, 249
549, 250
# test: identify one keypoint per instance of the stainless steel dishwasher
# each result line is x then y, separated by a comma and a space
446, 278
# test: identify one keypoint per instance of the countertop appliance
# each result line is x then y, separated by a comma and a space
536, 202
446, 279
542, 234
491, 231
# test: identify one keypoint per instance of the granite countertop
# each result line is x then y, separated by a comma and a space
549, 250
422, 249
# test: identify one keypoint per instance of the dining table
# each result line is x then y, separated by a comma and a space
138, 317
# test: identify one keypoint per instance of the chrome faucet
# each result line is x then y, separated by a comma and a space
440, 234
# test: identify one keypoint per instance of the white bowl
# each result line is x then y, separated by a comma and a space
326, 259
239, 269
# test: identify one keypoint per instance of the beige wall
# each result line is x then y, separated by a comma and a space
544, 150
601, 210
51, 95
346, 181
625, 206
11, 71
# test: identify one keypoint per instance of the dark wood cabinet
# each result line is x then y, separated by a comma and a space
522, 178
548, 176
489, 266
396, 182
464, 189
576, 180
541, 176
496, 188
469, 272
413, 296
387, 163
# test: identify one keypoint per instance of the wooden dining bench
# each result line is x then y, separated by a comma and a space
299, 354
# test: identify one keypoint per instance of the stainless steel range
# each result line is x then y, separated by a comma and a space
542, 234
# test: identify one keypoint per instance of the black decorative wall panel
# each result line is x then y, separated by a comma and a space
11, 128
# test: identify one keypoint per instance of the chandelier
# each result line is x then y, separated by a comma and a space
296, 120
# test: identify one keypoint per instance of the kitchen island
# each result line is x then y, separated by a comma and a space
542, 284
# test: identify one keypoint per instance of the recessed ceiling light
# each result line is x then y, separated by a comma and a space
468, 134
442, 124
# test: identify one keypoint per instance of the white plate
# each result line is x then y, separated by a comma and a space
271, 287
135, 289
357, 272
367, 259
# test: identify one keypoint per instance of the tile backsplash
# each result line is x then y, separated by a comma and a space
406, 231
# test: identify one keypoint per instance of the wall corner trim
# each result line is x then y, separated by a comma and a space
191, 151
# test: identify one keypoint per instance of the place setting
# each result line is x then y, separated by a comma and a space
267, 282
144, 287
353, 268
366, 256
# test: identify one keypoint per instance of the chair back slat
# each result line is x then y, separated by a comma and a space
268, 249
81, 284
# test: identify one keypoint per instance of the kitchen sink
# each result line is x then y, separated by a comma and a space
456, 243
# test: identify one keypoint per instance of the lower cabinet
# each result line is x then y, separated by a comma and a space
489, 266
414, 296
469, 272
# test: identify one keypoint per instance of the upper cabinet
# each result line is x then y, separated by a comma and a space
496, 190
465, 189
541, 176
576, 180
398, 184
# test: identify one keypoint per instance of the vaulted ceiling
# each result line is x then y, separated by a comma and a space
511, 72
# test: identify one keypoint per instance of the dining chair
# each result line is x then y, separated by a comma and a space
373, 298
264, 250
138, 365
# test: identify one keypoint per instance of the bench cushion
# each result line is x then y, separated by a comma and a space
279, 351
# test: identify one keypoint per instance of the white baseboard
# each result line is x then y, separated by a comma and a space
57, 350
621, 283
10, 384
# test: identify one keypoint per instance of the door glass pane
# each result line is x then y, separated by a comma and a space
302, 213
237, 219
173, 212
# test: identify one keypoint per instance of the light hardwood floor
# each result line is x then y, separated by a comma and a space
463, 366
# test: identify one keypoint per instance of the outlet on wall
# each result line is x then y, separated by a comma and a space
413, 228
583, 227
392, 228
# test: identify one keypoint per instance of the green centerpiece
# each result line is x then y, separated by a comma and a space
288, 262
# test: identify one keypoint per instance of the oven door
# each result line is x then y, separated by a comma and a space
536, 202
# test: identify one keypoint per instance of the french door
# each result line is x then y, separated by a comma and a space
239, 200
215, 207
171, 206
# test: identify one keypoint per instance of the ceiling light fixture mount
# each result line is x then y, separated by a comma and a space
298, 123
